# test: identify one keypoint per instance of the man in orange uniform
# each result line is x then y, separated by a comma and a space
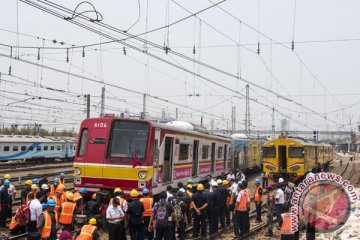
48, 222
62, 178
53, 187
67, 210
242, 206
285, 230
89, 231
258, 197
59, 198
148, 204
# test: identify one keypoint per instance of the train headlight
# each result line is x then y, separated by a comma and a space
295, 168
77, 171
142, 174
271, 168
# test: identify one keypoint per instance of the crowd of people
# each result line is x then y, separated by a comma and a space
207, 207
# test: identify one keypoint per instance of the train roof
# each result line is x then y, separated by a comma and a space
28, 138
300, 141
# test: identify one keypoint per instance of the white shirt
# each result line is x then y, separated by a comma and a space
168, 195
230, 176
279, 197
11, 190
35, 209
234, 188
243, 178
124, 206
212, 182
113, 212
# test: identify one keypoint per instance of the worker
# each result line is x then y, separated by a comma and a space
62, 178
228, 201
81, 198
115, 217
258, 198
48, 222
4, 203
222, 203
187, 200
118, 193
45, 190
148, 205
200, 203
161, 217
279, 201
180, 212
134, 217
265, 178
15, 227
242, 207
67, 210
43, 180
12, 194
285, 230
92, 207
215, 213
35, 210
34, 191
35, 181
62, 186
270, 204
89, 231
53, 187
59, 198
25, 192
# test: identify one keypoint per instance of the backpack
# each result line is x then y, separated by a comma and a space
177, 209
22, 214
161, 216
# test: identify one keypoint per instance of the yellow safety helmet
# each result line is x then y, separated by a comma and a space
117, 190
70, 196
134, 193
61, 186
225, 182
34, 187
93, 196
28, 182
200, 187
7, 176
189, 186
92, 221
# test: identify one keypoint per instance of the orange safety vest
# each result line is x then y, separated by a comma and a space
77, 196
257, 196
45, 232
190, 195
286, 225
230, 198
52, 190
148, 203
87, 232
67, 212
58, 201
242, 206
62, 181
13, 223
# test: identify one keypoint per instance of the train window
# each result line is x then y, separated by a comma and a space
23, 148
128, 139
205, 152
52, 147
6, 148
296, 152
269, 151
183, 152
220, 152
58, 148
31, 148
83, 140
38, 148
46, 148
15, 148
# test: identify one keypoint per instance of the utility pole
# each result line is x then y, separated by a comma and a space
37, 129
233, 118
87, 105
177, 114
143, 115
102, 110
247, 110
273, 120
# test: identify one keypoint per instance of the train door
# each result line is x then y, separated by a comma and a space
225, 156
168, 159
282, 157
156, 156
213, 147
195, 163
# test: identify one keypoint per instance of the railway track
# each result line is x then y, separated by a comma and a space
4, 167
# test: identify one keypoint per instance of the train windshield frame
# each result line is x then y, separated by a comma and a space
269, 152
128, 140
296, 152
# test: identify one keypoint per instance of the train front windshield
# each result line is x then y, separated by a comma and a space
128, 141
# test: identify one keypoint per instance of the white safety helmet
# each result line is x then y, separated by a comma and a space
219, 181
281, 180
44, 186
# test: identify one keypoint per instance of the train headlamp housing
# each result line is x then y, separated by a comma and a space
295, 168
77, 171
142, 174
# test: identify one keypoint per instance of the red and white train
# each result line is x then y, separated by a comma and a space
134, 154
